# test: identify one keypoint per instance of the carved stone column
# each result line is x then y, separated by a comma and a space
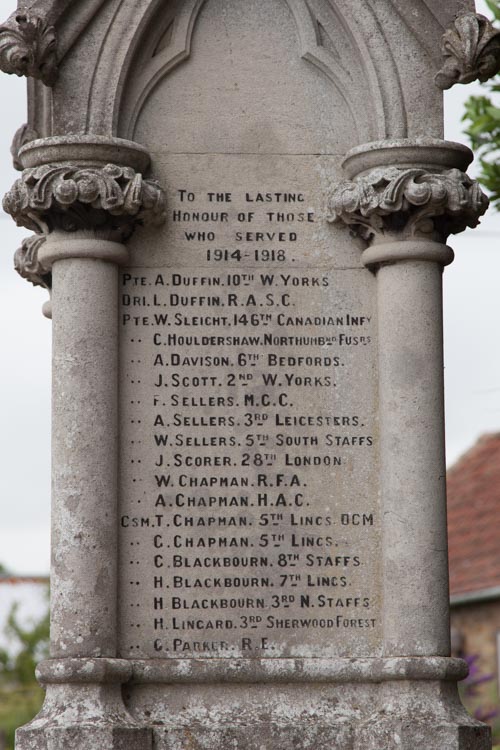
83, 210
405, 198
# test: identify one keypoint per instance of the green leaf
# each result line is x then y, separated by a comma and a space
20, 696
494, 7
494, 113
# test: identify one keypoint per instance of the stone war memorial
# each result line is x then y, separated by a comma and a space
240, 209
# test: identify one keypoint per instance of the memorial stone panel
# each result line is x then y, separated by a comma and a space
241, 212
249, 517
249, 507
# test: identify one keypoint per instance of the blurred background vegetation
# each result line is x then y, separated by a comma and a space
20, 695
482, 117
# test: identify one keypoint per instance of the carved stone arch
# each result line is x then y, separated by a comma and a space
114, 24
162, 60
133, 24
125, 25
128, 25
307, 15
383, 82
428, 20
71, 20
381, 68
381, 103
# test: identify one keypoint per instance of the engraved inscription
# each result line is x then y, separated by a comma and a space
249, 512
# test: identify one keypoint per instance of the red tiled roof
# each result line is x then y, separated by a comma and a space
10, 579
474, 518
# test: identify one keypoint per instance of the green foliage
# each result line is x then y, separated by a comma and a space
482, 113
494, 7
17, 707
20, 695
31, 645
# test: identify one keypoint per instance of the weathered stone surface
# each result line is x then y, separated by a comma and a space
340, 709
400, 200
249, 524
22, 136
27, 263
111, 198
440, 204
84, 707
28, 47
471, 51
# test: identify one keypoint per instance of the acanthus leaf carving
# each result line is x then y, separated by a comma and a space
471, 50
28, 47
109, 200
390, 203
27, 263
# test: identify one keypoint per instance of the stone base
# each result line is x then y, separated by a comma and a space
263, 737
83, 709
419, 714
286, 704
413, 735
83, 738
312, 736
272, 704
319, 737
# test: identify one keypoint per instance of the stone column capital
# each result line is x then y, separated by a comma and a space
84, 183
83, 196
407, 189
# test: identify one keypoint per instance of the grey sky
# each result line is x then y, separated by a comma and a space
472, 316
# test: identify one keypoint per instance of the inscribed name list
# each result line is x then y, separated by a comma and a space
249, 508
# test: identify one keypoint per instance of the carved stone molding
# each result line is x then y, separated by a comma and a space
109, 200
405, 189
391, 203
28, 265
22, 136
471, 50
28, 47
